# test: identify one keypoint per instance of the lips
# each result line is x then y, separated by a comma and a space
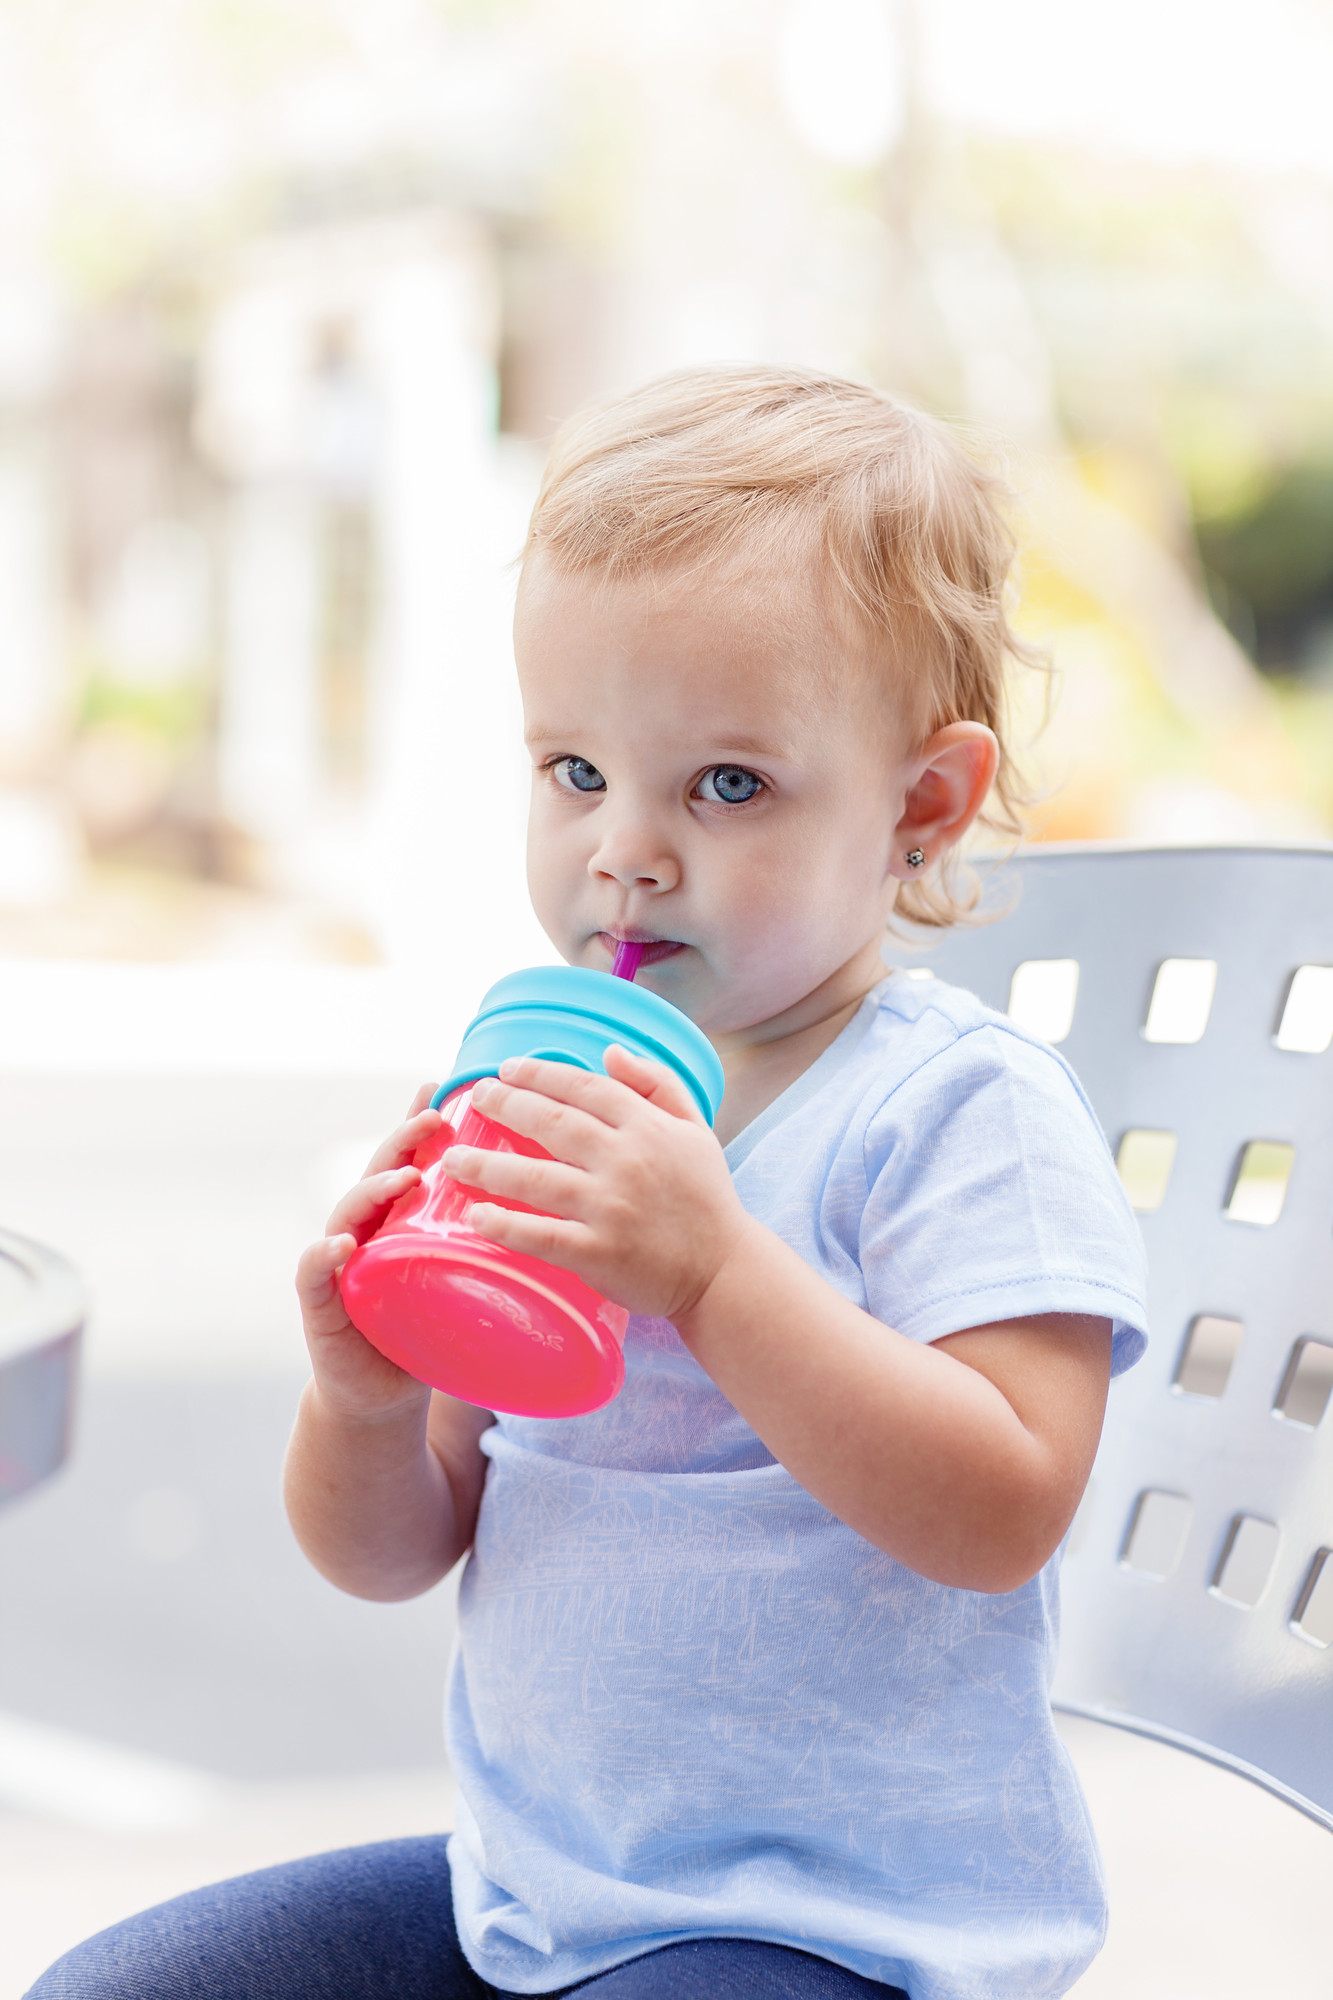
654, 948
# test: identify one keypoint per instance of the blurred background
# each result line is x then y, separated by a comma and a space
291, 297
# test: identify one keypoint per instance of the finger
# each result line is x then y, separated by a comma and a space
549, 1238
402, 1142
565, 1083
564, 1130
584, 1090
361, 1209
317, 1283
652, 1081
543, 1184
422, 1099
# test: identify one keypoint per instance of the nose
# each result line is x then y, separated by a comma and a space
632, 852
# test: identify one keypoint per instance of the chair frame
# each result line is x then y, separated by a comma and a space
42, 1308
1171, 1657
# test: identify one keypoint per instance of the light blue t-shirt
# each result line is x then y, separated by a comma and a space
688, 1701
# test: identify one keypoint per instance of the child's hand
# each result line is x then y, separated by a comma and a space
353, 1377
637, 1200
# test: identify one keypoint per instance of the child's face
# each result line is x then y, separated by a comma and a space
709, 777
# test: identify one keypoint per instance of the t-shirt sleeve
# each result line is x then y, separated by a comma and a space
993, 1196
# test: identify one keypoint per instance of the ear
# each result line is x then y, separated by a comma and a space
947, 783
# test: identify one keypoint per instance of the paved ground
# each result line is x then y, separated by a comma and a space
182, 1698
154, 1597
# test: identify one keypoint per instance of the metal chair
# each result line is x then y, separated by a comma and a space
1192, 991
41, 1320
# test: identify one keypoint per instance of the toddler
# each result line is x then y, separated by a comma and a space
751, 1689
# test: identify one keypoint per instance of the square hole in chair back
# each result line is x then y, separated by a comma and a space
1210, 1349
1157, 1534
1144, 1161
1307, 1018
1313, 1616
1307, 1384
1260, 1186
1246, 1562
1042, 993
1182, 999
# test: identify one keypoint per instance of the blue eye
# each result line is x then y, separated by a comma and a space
576, 774
729, 785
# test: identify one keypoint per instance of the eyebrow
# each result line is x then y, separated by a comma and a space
755, 746
740, 743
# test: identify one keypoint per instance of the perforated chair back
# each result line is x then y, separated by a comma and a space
1198, 1584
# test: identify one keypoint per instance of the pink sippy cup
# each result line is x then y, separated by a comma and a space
482, 1322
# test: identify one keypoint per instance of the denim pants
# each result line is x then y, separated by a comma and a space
377, 1923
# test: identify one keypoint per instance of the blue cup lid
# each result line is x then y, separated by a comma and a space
569, 1014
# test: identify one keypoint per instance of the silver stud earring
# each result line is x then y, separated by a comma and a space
915, 857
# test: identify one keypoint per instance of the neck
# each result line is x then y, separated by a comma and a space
760, 1062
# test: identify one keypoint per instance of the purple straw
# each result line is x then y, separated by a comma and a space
627, 957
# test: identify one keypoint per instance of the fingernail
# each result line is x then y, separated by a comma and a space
509, 1065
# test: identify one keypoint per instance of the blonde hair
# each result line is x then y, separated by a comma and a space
715, 464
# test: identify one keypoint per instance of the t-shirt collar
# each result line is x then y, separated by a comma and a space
825, 1065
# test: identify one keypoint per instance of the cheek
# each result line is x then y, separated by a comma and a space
821, 897
789, 903
555, 864
821, 873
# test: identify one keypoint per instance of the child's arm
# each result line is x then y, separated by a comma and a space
384, 1476
965, 1460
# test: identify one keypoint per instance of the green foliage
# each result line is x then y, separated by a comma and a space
469, 15
176, 715
1274, 560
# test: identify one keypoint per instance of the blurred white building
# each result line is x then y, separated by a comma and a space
347, 402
